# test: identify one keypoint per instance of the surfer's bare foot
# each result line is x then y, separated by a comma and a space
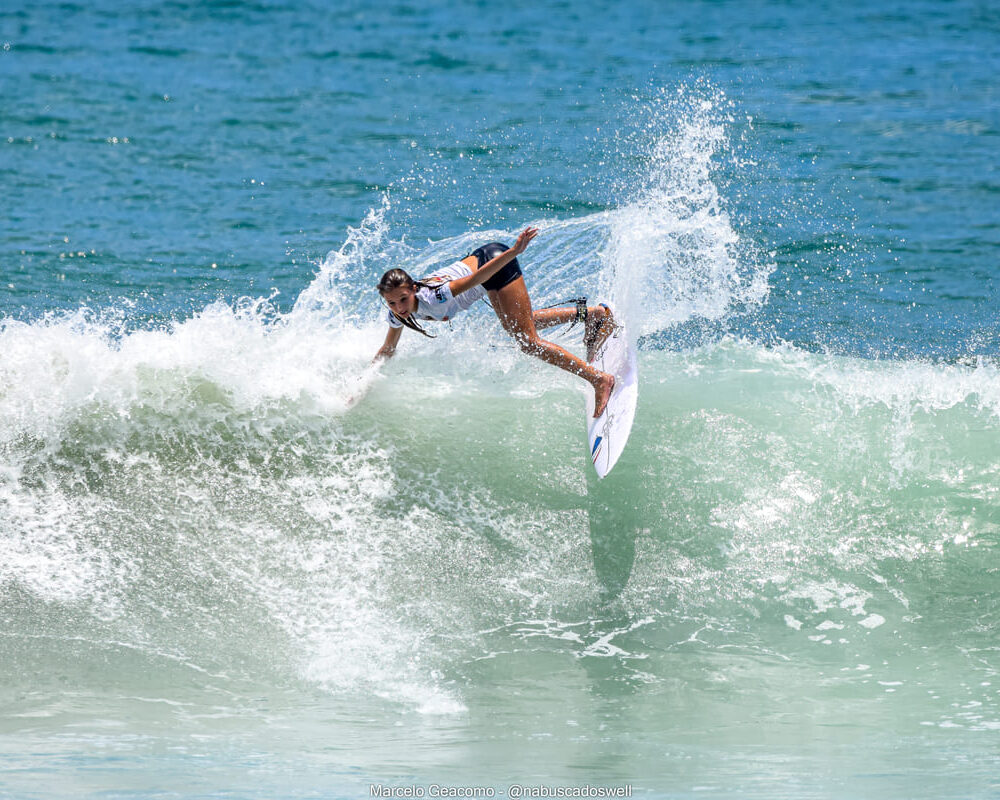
602, 393
600, 325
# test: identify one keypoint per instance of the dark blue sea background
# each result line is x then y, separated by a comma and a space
160, 139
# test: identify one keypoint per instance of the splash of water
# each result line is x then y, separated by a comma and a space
673, 251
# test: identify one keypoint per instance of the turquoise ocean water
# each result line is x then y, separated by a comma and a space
222, 577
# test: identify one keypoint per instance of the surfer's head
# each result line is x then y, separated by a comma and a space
399, 292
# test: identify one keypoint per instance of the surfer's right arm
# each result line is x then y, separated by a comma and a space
389, 345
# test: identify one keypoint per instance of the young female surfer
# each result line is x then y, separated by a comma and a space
493, 270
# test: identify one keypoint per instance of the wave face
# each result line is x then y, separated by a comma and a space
209, 527
237, 501
194, 488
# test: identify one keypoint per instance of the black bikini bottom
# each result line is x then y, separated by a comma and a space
510, 272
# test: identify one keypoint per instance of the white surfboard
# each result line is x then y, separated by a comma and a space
608, 434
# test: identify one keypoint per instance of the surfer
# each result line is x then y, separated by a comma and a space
493, 270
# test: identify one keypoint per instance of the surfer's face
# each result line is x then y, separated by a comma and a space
402, 301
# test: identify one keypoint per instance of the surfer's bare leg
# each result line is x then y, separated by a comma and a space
547, 317
599, 324
513, 307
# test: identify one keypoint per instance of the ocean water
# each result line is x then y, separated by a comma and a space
236, 561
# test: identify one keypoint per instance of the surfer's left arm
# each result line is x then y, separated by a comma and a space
388, 347
494, 265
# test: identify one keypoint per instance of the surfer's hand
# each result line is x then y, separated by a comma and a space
522, 241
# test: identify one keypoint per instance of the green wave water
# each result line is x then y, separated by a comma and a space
194, 541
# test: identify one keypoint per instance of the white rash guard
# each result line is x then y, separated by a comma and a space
438, 303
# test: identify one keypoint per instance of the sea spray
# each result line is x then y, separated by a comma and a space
673, 251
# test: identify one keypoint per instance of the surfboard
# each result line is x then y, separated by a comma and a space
608, 434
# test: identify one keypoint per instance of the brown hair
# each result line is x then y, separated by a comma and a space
394, 279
